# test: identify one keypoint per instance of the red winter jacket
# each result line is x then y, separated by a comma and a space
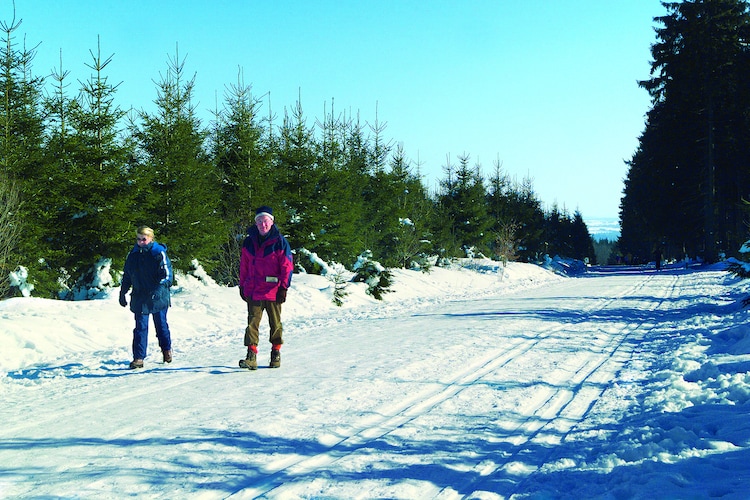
265, 266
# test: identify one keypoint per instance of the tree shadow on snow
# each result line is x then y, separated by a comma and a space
488, 457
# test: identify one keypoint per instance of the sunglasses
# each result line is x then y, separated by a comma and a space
141, 239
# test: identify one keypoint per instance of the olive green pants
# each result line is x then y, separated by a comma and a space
255, 310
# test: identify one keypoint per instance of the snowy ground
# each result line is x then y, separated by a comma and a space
466, 383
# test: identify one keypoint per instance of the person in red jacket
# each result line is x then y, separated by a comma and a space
266, 268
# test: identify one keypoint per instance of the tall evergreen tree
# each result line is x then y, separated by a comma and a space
554, 232
10, 230
413, 237
695, 146
241, 152
380, 195
90, 156
505, 222
525, 203
299, 180
179, 187
22, 156
463, 203
582, 243
344, 168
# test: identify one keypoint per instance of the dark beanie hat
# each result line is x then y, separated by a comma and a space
264, 210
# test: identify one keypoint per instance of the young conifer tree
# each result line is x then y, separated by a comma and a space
412, 240
346, 172
94, 220
463, 201
22, 157
299, 182
241, 152
178, 186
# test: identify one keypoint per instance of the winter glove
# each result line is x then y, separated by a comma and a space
123, 300
242, 293
281, 295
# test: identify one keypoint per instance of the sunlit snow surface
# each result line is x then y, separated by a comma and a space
473, 382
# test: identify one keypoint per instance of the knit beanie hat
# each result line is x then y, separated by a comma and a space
264, 211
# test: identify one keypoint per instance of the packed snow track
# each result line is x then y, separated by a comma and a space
462, 398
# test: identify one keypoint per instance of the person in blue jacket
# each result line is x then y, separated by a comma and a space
148, 271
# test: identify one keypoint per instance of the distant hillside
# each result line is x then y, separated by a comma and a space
601, 228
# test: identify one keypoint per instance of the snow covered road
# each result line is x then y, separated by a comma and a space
506, 394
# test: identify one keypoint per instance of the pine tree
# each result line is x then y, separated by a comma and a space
178, 185
380, 195
505, 223
463, 204
242, 155
22, 157
90, 156
400, 212
10, 230
530, 217
343, 165
299, 181
556, 233
694, 151
582, 243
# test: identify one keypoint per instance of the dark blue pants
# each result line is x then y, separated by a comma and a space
140, 333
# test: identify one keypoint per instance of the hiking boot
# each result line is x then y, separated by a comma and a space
275, 359
250, 362
136, 363
167, 356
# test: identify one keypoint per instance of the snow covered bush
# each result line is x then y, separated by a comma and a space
564, 267
335, 272
411, 247
372, 273
18, 281
310, 262
93, 284
741, 268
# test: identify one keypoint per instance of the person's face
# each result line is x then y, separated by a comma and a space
143, 240
264, 224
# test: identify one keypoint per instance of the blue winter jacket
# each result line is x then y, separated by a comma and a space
148, 271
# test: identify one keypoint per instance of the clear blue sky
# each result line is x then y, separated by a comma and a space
546, 87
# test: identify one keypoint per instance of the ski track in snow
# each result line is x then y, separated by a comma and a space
551, 414
508, 345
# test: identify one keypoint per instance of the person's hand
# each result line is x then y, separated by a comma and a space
242, 293
123, 300
281, 295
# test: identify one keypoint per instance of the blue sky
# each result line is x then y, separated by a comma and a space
547, 88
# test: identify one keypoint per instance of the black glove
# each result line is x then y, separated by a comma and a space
123, 300
281, 295
242, 293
